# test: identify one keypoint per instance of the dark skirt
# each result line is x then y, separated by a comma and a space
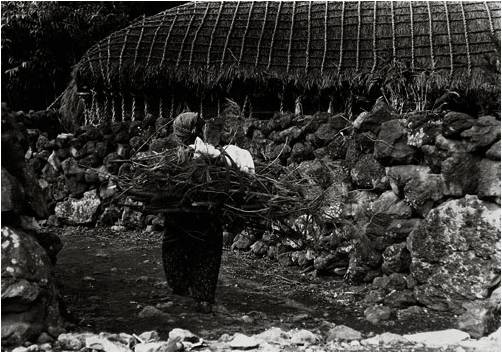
191, 253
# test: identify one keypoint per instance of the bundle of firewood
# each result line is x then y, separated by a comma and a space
173, 181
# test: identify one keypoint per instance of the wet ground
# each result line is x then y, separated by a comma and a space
107, 278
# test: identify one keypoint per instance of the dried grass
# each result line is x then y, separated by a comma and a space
172, 180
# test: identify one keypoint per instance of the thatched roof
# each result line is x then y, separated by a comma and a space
305, 43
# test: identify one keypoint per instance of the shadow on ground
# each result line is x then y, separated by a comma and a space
107, 278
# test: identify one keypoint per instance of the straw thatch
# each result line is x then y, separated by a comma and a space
193, 55
308, 43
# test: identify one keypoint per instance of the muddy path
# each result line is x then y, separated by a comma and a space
107, 278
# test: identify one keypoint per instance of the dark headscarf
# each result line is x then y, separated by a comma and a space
185, 127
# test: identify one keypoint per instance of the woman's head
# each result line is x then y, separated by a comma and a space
185, 127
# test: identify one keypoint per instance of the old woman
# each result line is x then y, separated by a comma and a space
192, 245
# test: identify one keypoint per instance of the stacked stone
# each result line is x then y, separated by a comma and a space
412, 204
76, 170
30, 299
405, 197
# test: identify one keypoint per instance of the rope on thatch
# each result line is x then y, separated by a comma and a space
228, 35
466, 34
121, 58
86, 112
393, 26
208, 63
95, 108
171, 112
114, 113
245, 105
107, 106
373, 68
91, 109
290, 45
155, 34
122, 106
262, 32
431, 42
133, 108
196, 35
449, 37
140, 39
341, 42
412, 37
244, 36
341, 38
91, 67
274, 32
180, 52
161, 107
358, 34
168, 37
201, 109
325, 37
100, 60
490, 20
309, 30
108, 55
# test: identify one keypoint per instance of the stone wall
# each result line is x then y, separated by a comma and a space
30, 299
411, 202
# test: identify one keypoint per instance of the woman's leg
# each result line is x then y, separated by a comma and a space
175, 256
205, 261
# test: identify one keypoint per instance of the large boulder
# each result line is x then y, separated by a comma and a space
79, 211
323, 172
389, 204
461, 174
396, 258
368, 173
480, 318
399, 229
243, 240
489, 179
274, 151
337, 148
333, 201
494, 152
420, 188
325, 134
301, 151
392, 144
456, 122
422, 128
455, 253
29, 295
484, 133
372, 120
358, 204
132, 217
12, 193
383, 210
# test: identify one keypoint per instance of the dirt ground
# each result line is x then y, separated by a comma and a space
108, 277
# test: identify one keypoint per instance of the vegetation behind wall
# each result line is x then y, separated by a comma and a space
41, 41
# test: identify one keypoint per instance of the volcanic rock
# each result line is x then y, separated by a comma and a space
456, 253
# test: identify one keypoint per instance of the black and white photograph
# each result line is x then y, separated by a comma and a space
274, 176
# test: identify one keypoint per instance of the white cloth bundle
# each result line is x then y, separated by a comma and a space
241, 157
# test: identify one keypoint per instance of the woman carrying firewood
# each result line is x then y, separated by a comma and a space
193, 238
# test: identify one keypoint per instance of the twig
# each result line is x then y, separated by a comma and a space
276, 158
292, 281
